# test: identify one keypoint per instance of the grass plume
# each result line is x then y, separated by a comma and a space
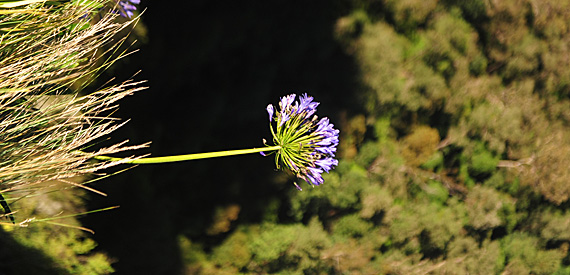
50, 53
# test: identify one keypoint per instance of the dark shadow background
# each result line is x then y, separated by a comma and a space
212, 68
17, 259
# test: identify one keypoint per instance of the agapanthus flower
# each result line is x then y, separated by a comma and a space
127, 7
308, 145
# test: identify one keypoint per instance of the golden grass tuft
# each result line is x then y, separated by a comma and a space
50, 54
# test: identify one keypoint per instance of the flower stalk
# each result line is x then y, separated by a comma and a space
177, 158
303, 143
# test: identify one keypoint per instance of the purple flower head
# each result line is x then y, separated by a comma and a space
326, 150
293, 166
126, 7
327, 163
297, 186
314, 176
307, 144
286, 102
325, 127
270, 111
284, 118
306, 105
328, 141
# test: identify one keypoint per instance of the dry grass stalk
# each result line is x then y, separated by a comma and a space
48, 56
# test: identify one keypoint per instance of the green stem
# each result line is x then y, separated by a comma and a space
192, 156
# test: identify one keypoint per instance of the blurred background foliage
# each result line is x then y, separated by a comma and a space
455, 139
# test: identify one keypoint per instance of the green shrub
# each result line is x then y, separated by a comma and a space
351, 226
525, 252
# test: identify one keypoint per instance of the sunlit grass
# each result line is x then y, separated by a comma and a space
50, 54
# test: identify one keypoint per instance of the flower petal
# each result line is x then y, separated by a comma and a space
270, 112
